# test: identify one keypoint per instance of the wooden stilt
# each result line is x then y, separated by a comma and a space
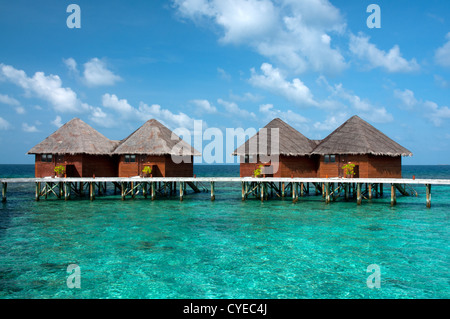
91, 191
327, 193
4, 186
370, 190
294, 191
38, 191
213, 194
153, 191
428, 194
358, 194
301, 189
393, 195
262, 191
323, 190
243, 190
282, 189
346, 186
122, 190
66, 191
181, 191
381, 189
144, 189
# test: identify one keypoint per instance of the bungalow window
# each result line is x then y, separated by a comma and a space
330, 159
246, 159
46, 158
130, 158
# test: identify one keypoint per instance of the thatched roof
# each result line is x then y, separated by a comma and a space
75, 137
356, 136
153, 138
291, 141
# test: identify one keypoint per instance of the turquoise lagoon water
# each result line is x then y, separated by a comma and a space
226, 248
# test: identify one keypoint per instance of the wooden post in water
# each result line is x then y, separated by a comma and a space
346, 191
393, 196
4, 186
153, 192
144, 190
381, 189
262, 191
181, 191
66, 190
122, 190
282, 189
301, 189
370, 190
327, 193
38, 191
358, 194
294, 191
91, 191
243, 190
213, 195
428, 194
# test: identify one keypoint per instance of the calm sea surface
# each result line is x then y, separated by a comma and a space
227, 248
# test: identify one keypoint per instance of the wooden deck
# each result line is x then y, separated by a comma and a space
330, 188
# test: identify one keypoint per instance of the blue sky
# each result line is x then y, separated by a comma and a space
229, 63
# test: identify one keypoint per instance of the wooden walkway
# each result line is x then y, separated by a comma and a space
329, 188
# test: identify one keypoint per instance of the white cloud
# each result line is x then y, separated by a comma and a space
294, 33
5, 99
4, 124
20, 110
362, 107
143, 112
71, 65
29, 128
48, 88
233, 108
288, 116
113, 102
435, 113
173, 120
331, 122
391, 61
406, 97
273, 81
57, 121
223, 74
204, 106
96, 73
442, 54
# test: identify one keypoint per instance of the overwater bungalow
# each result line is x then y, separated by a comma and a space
156, 146
83, 151
292, 154
374, 154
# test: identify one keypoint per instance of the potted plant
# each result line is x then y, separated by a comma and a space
60, 170
257, 172
349, 170
147, 171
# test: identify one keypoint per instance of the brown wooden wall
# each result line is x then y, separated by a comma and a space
100, 165
162, 166
78, 165
369, 166
297, 166
385, 166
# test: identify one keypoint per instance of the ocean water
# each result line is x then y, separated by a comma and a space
227, 248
